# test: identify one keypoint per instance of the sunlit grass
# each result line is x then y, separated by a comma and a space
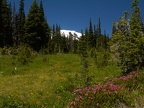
48, 82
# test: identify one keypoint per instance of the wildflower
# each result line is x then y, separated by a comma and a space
98, 87
133, 73
80, 91
73, 103
88, 88
78, 98
94, 91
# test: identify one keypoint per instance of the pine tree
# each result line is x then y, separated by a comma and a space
45, 30
128, 40
14, 25
6, 30
32, 27
99, 26
136, 50
90, 36
21, 22
99, 39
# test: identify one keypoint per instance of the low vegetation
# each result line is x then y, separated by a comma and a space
57, 82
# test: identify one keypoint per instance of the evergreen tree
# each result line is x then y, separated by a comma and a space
45, 31
14, 25
128, 40
21, 22
33, 28
100, 38
99, 27
6, 30
136, 50
90, 36
64, 47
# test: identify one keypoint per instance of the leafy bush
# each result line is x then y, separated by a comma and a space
25, 54
101, 58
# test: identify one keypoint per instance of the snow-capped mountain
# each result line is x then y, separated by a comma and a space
67, 33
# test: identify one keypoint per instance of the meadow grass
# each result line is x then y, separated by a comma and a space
46, 83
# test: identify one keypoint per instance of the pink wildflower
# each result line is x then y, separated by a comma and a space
73, 103
98, 87
133, 73
80, 91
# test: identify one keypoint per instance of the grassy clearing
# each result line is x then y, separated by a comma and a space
47, 83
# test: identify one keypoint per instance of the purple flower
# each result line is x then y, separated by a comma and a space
94, 91
88, 88
133, 73
80, 91
98, 87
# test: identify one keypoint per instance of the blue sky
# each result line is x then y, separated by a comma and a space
75, 14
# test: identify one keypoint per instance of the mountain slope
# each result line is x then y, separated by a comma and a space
67, 33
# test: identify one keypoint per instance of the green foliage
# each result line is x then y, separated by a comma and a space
25, 54
20, 23
36, 27
6, 29
84, 61
101, 59
13, 102
127, 41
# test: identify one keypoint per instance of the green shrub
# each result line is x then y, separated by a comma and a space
25, 54
101, 58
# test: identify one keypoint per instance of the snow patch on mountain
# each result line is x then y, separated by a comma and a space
67, 33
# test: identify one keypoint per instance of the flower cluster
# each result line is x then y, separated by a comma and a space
90, 93
128, 77
101, 93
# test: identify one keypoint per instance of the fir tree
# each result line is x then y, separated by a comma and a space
21, 22
99, 27
128, 40
14, 25
45, 31
33, 27
6, 30
136, 50
90, 36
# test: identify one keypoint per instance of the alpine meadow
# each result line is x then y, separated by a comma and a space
44, 66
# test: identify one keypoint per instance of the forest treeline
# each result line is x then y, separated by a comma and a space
34, 30
125, 46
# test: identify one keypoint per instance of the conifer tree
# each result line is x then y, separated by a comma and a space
21, 22
90, 36
128, 40
45, 31
14, 25
136, 50
99, 26
6, 30
33, 27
